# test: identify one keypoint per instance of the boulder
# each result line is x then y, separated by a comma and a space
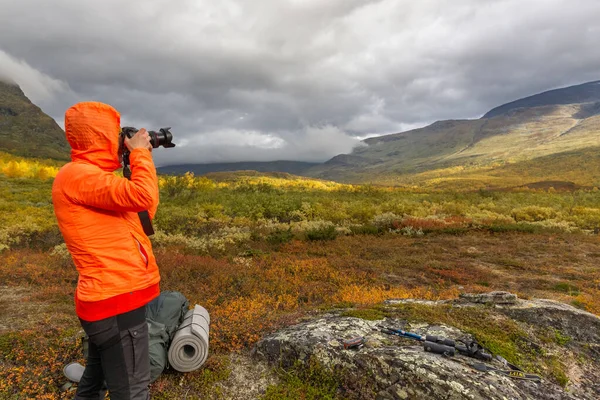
496, 297
581, 326
399, 368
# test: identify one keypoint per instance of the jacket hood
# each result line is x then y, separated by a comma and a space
92, 130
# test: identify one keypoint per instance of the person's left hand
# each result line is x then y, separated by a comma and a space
141, 139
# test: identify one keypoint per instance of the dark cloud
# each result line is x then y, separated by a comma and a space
295, 79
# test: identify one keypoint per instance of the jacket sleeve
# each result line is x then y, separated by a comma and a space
154, 207
139, 158
107, 191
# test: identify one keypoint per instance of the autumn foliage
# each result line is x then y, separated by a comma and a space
260, 252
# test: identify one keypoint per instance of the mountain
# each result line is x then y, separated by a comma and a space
291, 167
558, 121
584, 93
548, 139
25, 130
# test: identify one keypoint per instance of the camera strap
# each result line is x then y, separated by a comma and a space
143, 215
146, 222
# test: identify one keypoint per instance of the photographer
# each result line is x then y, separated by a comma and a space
97, 213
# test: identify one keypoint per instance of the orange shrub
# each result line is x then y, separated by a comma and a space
368, 295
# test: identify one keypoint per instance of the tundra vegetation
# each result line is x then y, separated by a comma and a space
260, 251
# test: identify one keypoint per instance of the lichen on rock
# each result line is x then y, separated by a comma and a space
399, 368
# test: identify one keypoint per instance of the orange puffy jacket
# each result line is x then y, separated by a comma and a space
97, 215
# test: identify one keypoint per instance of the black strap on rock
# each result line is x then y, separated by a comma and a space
474, 350
511, 373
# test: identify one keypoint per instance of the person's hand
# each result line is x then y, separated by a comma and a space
141, 140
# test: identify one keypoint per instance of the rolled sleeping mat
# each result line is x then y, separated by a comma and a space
189, 347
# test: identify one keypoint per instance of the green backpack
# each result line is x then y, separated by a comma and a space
164, 314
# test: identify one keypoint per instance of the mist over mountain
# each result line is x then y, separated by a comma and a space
552, 122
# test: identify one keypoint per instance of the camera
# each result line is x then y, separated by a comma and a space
162, 138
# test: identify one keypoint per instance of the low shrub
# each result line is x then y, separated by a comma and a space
367, 229
387, 221
522, 228
533, 213
567, 288
280, 236
409, 231
29, 234
217, 242
325, 233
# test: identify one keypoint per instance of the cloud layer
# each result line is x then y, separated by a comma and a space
302, 80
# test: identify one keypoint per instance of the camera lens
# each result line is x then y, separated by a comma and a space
161, 138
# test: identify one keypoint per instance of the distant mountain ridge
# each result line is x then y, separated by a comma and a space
583, 93
25, 130
291, 167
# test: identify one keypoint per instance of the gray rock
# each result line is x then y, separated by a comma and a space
489, 298
580, 325
398, 368
581, 330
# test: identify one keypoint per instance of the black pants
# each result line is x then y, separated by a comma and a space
117, 355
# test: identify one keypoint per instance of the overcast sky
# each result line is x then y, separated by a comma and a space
265, 80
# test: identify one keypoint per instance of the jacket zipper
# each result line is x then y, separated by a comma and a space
141, 252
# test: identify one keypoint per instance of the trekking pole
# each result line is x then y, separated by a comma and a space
427, 338
442, 345
401, 333
449, 347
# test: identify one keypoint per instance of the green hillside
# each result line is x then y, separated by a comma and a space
520, 134
25, 130
570, 170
